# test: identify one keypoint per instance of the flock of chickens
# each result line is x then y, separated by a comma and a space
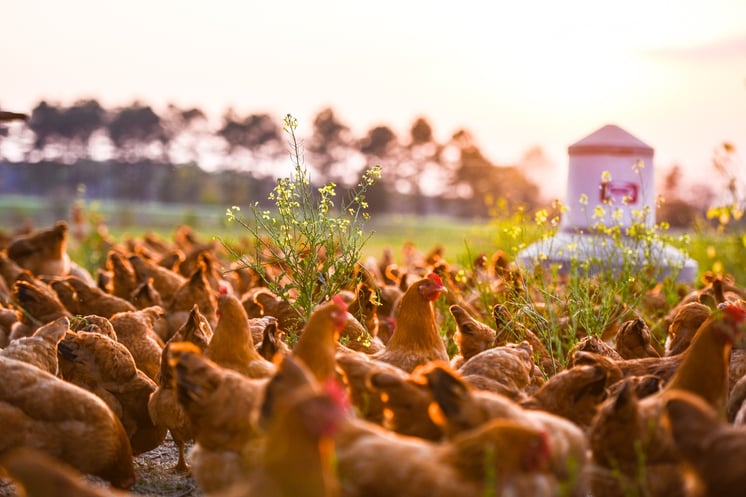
168, 337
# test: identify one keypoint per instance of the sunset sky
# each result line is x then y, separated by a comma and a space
516, 74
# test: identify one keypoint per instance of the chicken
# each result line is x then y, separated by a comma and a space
460, 407
355, 369
317, 345
232, 345
222, 407
43, 252
38, 304
375, 462
40, 349
712, 448
574, 394
8, 318
135, 329
406, 403
416, 340
145, 295
594, 345
684, 323
705, 368
93, 300
272, 339
163, 405
629, 435
44, 412
507, 369
123, 279
300, 418
194, 290
365, 306
94, 324
471, 337
633, 340
165, 281
267, 303
9, 269
40, 475
632, 451
106, 368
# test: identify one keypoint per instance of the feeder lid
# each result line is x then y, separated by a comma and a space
610, 139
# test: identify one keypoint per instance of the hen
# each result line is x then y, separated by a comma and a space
508, 370
510, 330
92, 300
712, 448
317, 345
40, 475
221, 405
684, 323
43, 252
633, 340
123, 279
38, 304
416, 340
163, 405
194, 290
42, 411
135, 329
232, 344
40, 349
106, 368
165, 281
471, 337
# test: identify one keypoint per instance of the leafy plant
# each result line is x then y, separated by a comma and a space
306, 249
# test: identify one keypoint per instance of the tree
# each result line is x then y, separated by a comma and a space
330, 147
255, 140
186, 130
138, 133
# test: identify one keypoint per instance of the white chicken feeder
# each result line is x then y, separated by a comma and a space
610, 184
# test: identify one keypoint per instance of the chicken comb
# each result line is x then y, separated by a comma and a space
337, 299
734, 311
223, 289
435, 278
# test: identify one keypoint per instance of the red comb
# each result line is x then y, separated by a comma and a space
337, 393
223, 290
435, 278
337, 299
734, 311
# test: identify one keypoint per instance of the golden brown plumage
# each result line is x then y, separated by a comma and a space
633, 340
471, 337
194, 290
416, 340
317, 345
40, 349
106, 368
232, 345
221, 405
93, 300
43, 252
63, 420
39, 475
165, 281
136, 330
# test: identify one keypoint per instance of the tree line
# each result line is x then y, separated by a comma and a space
136, 153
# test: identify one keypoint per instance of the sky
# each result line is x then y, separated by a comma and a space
516, 74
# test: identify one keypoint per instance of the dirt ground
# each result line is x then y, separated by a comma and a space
155, 478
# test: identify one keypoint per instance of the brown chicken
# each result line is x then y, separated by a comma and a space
461, 407
222, 406
194, 290
93, 324
471, 337
106, 368
123, 279
272, 339
511, 331
373, 461
684, 324
42, 411
633, 340
43, 252
712, 448
37, 304
261, 302
93, 300
317, 345
163, 404
40, 349
232, 344
39, 475
165, 281
300, 418
416, 340
574, 394
145, 295
508, 370
136, 330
